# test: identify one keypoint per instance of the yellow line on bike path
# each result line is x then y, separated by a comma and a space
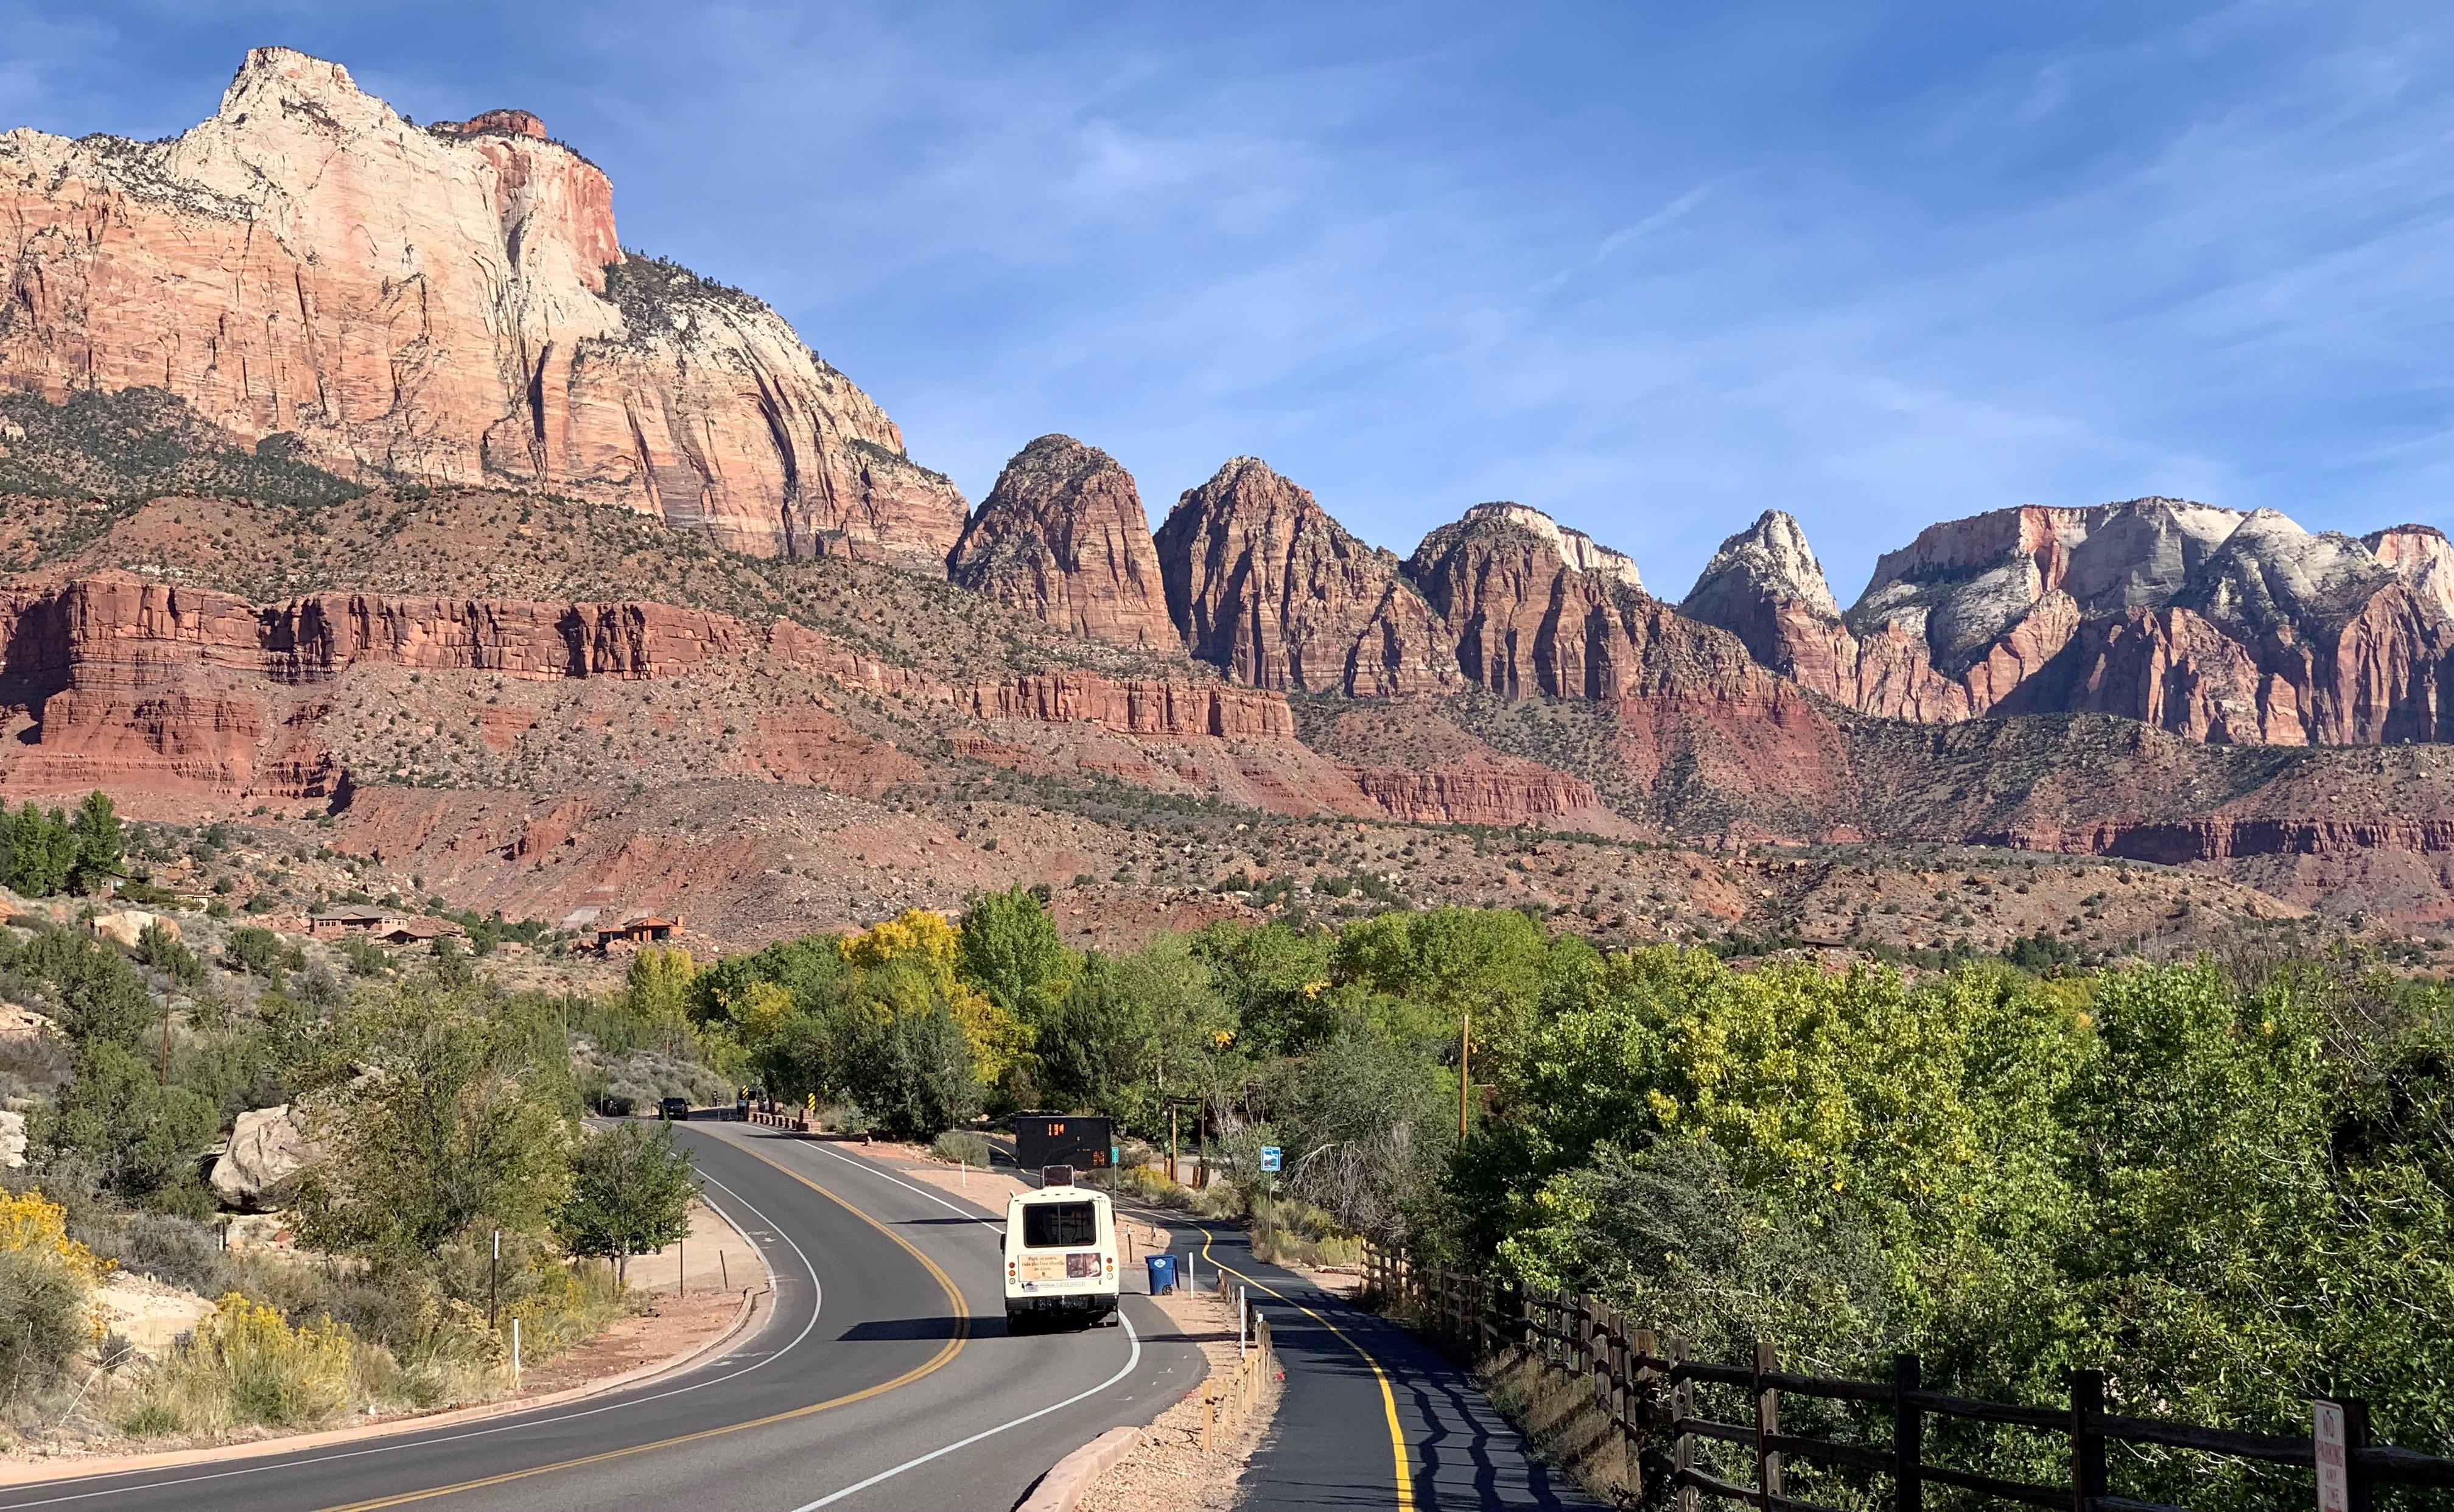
953, 1346
1401, 1460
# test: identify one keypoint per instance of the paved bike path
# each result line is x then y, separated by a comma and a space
1365, 1396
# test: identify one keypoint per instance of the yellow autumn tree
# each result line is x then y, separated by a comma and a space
658, 987
918, 938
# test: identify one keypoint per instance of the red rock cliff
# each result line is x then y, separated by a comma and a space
1062, 536
446, 303
1266, 587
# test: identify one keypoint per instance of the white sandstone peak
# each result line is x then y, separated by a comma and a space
1772, 554
1578, 550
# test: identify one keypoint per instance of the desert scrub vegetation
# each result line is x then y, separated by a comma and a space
138, 444
46, 1278
439, 1114
961, 1147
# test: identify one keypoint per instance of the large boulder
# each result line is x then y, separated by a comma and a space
127, 926
268, 1148
12, 1141
32, 1051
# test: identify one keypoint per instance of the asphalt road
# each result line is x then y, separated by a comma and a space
1374, 1418
883, 1378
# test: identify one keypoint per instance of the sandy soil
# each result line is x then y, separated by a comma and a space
148, 1314
720, 1259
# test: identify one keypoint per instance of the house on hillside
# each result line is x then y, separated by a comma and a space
357, 918
645, 930
415, 932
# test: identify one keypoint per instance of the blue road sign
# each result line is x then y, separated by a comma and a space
1269, 1157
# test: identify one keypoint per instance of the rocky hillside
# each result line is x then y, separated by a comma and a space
447, 303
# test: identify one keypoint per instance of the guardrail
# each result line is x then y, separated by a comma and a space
1644, 1384
798, 1123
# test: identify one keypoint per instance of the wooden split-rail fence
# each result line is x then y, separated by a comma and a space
1644, 1384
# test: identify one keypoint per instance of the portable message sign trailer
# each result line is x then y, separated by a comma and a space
1080, 1140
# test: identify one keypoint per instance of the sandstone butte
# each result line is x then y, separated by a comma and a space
1265, 586
1062, 536
446, 303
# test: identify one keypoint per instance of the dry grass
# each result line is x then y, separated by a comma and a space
1559, 1417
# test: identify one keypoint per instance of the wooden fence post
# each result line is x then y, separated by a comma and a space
1682, 1405
1767, 1425
1639, 1406
1909, 1436
2087, 1438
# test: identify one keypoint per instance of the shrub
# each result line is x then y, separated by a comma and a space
44, 1278
259, 952
160, 949
364, 957
961, 1147
244, 1365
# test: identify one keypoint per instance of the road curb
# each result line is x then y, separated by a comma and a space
69, 1467
1069, 1478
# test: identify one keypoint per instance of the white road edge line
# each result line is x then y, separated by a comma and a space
411, 1440
864, 1165
1132, 1358
1133, 1353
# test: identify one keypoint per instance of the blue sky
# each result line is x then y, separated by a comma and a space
1652, 268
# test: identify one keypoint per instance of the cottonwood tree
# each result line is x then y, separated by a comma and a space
631, 1192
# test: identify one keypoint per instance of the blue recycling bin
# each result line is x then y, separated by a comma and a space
1162, 1273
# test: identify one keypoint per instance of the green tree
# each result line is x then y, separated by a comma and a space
157, 946
1273, 979
631, 1192
913, 1073
1007, 947
96, 843
453, 967
462, 1126
96, 994
141, 1136
261, 953
42, 851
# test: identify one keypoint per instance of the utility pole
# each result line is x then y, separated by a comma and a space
165, 1039
493, 1265
1465, 1068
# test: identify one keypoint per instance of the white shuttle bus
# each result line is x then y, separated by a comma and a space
1061, 1254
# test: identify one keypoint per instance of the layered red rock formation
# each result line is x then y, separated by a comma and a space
1503, 793
1133, 706
1530, 608
448, 304
2202, 621
1266, 587
1062, 536
106, 632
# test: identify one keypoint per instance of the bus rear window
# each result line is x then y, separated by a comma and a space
1049, 1225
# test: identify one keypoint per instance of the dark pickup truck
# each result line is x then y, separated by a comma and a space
673, 1109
